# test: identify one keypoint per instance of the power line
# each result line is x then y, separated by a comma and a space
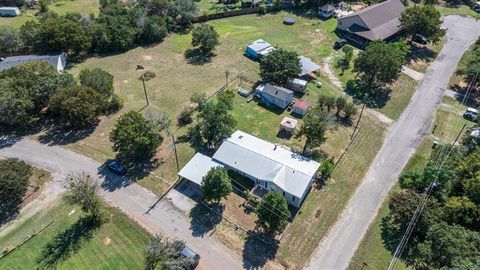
443, 157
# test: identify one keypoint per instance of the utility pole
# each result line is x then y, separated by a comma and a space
174, 146
358, 121
227, 73
145, 90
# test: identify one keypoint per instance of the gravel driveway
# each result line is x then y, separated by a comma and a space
339, 245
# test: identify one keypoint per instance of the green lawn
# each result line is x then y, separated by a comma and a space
117, 244
402, 91
85, 7
177, 79
460, 10
449, 122
456, 81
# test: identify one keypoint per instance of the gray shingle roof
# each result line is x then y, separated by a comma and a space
307, 65
382, 20
277, 91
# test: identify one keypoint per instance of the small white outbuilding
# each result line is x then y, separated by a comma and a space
9, 11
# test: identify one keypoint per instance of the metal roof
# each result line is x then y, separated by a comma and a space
52, 59
268, 162
302, 104
289, 122
307, 65
259, 45
197, 168
275, 91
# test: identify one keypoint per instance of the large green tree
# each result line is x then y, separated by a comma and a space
272, 213
135, 137
462, 211
472, 68
97, 79
279, 66
216, 185
380, 64
14, 180
313, 128
423, 20
205, 38
214, 123
77, 106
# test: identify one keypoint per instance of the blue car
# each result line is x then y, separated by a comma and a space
117, 168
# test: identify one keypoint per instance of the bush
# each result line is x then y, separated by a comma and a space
97, 79
327, 167
115, 104
148, 75
185, 117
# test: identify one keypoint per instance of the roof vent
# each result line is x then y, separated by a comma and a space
275, 148
240, 137
276, 92
2, 59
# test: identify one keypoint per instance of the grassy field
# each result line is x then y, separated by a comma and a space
456, 81
85, 7
171, 89
460, 10
401, 90
449, 122
70, 244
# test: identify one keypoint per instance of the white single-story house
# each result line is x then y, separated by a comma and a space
57, 61
9, 11
308, 67
258, 49
268, 165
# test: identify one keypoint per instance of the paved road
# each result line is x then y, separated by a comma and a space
339, 245
131, 198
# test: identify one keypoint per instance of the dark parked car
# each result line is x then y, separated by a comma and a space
190, 254
117, 168
420, 39
339, 43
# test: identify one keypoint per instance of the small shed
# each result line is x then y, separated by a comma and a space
326, 11
258, 49
288, 125
297, 85
9, 11
300, 107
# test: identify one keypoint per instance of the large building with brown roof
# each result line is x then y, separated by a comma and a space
379, 21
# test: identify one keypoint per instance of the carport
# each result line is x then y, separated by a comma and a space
197, 168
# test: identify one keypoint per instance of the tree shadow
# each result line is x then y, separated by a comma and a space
68, 242
256, 253
196, 57
9, 211
112, 181
376, 97
62, 135
8, 140
204, 219
420, 53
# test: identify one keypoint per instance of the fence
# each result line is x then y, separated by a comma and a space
238, 12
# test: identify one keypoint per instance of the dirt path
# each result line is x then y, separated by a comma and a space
339, 245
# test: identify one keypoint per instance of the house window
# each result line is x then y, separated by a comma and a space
293, 198
283, 194
266, 184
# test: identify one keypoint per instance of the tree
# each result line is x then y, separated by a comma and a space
84, 191
134, 136
313, 128
279, 66
113, 33
423, 20
380, 64
226, 97
15, 107
97, 79
216, 185
10, 40
154, 30
205, 38
272, 213
60, 34
214, 122
462, 211
402, 206
448, 246
472, 188
198, 98
180, 13
14, 179
347, 58
350, 110
77, 106
340, 103
472, 67
155, 252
